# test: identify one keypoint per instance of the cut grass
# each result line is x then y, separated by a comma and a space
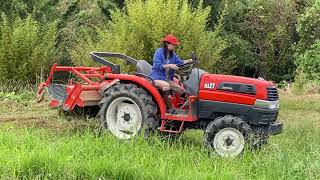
37, 144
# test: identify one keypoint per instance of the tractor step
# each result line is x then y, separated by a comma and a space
185, 116
176, 115
163, 127
179, 112
58, 92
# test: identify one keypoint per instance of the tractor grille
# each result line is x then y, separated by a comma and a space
238, 87
272, 94
268, 117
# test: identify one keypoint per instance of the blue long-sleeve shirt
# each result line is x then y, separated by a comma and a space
158, 71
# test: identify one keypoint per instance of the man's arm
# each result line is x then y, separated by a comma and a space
187, 61
157, 63
178, 61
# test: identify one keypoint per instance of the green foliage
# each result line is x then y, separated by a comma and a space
283, 85
308, 48
12, 96
137, 31
259, 35
43, 10
79, 17
308, 27
309, 61
17, 86
26, 48
36, 144
300, 84
242, 37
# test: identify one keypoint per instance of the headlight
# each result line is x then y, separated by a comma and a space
266, 104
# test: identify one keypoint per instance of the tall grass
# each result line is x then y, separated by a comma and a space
34, 153
41, 153
27, 48
17, 86
20, 91
40, 150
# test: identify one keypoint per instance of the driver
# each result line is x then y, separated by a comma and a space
165, 61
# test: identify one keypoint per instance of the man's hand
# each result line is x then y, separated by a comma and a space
187, 61
171, 66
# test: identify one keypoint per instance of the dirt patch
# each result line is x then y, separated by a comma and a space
34, 115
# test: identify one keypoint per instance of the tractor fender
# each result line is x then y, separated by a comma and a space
106, 85
145, 84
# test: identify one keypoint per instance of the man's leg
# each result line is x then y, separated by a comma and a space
165, 87
176, 87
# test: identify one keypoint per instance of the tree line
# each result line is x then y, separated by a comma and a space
276, 40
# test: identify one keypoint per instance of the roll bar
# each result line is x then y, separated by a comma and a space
99, 58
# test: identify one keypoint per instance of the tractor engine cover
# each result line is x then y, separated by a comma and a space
233, 89
252, 99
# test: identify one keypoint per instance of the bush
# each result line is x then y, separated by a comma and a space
308, 27
308, 50
12, 96
309, 61
259, 35
137, 30
26, 49
300, 83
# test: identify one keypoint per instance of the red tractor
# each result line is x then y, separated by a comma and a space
232, 110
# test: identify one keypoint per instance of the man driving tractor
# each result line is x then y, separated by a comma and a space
232, 111
165, 61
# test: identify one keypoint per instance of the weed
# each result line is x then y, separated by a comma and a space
59, 149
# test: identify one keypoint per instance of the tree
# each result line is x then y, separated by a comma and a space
308, 27
25, 50
309, 62
259, 34
137, 30
79, 17
308, 47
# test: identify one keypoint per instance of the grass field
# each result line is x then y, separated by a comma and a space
37, 143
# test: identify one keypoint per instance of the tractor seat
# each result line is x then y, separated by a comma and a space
144, 67
144, 70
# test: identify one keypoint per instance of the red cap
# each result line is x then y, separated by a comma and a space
170, 39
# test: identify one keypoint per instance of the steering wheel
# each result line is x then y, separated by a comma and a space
184, 70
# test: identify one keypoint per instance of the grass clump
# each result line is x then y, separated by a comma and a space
37, 144
12, 96
41, 153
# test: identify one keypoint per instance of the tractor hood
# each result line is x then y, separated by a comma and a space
237, 87
217, 87
218, 78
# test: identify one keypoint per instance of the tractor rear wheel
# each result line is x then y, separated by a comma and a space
227, 135
127, 110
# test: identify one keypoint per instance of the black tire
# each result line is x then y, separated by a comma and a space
227, 123
259, 139
80, 113
142, 99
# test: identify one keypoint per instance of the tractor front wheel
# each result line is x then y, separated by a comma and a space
227, 136
127, 110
